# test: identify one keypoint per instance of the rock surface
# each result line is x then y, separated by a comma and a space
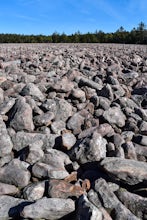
49, 208
73, 131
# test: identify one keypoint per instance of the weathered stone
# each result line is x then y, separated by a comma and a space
64, 110
87, 82
128, 171
104, 103
56, 158
44, 119
110, 201
1, 96
34, 191
49, 105
6, 144
75, 123
35, 152
42, 170
63, 189
78, 94
97, 148
86, 210
135, 203
6, 105
22, 139
94, 199
68, 140
90, 149
11, 207
49, 208
6, 189
105, 130
15, 173
32, 90
143, 127
130, 151
58, 126
115, 116
21, 116
6, 159
106, 195
63, 85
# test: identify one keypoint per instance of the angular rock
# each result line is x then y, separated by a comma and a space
78, 94
68, 140
109, 199
56, 158
75, 123
44, 119
115, 116
135, 203
58, 126
90, 149
111, 202
22, 139
15, 173
6, 144
94, 199
1, 96
87, 82
97, 148
11, 207
6, 105
32, 90
42, 170
7, 189
87, 211
64, 110
35, 152
34, 191
63, 189
21, 116
49, 208
105, 130
128, 171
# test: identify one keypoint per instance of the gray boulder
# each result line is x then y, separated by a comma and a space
128, 171
21, 116
15, 173
49, 208
6, 144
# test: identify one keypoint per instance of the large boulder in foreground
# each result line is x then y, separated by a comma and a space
129, 171
49, 208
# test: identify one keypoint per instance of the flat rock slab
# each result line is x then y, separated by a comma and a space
128, 171
49, 208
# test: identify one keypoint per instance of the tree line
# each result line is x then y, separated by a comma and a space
135, 36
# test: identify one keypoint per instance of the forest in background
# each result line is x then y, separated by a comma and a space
135, 36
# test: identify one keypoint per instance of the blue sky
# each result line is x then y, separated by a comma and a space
69, 16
